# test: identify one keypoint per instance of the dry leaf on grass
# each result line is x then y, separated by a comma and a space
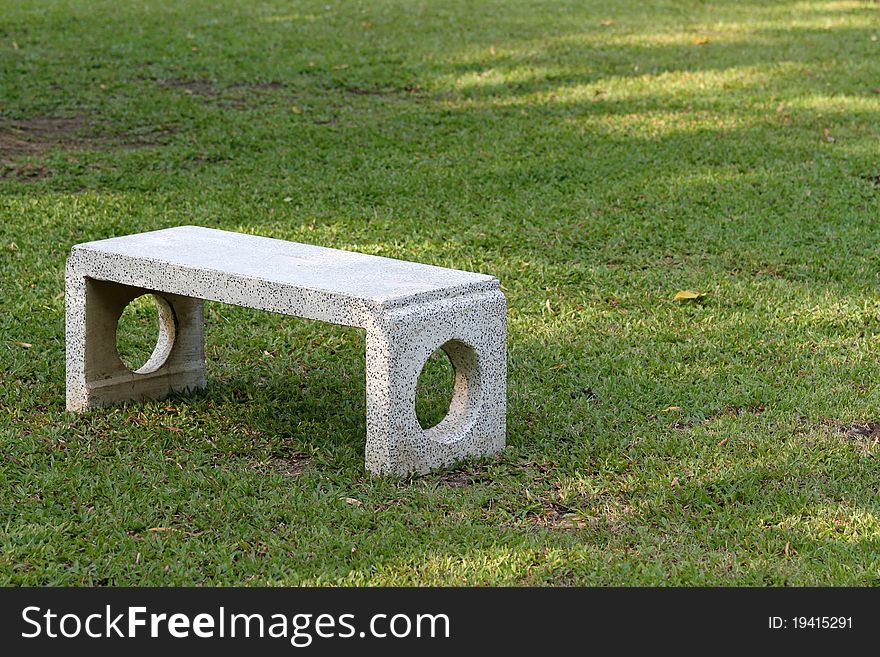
688, 295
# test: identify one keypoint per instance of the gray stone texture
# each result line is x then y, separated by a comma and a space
407, 309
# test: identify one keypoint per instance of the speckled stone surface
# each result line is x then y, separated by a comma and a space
408, 310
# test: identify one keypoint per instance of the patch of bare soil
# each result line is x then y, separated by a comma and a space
555, 515
37, 135
24, 172
241, 96
273, 84
383, 91
289, 466
458, 479
362, 91
31, 138
606, 512
466, 475
864, 433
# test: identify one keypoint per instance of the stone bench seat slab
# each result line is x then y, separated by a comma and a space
307, 281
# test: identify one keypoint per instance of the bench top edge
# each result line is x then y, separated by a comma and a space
244, 257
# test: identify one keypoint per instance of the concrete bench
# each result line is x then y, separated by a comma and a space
408, 310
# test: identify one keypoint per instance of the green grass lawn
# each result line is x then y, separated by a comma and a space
597, 157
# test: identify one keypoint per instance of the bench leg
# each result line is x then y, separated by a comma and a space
95, 374
472, 330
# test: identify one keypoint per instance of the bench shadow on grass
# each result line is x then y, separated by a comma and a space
283, 381
295, 379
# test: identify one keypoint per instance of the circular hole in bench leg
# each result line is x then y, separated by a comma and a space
145, 333
434, 390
